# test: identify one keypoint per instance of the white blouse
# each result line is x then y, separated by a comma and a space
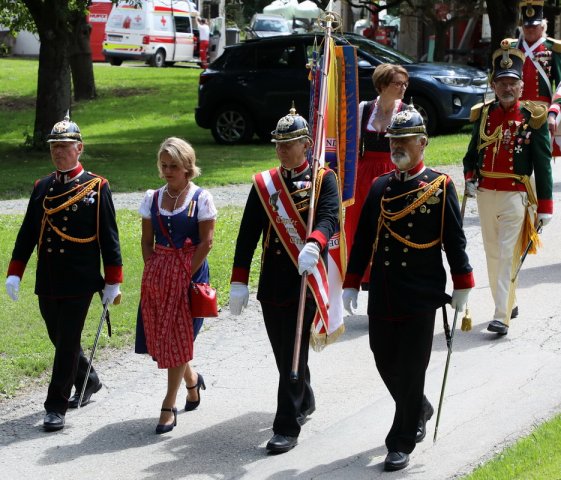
207, 210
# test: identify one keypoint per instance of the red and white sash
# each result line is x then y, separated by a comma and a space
291, 229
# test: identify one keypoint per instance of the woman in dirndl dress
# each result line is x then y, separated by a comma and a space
178, 223
390, 81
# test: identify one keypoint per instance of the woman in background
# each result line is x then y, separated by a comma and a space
390, 81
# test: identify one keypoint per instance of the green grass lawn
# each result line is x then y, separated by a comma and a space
137, 108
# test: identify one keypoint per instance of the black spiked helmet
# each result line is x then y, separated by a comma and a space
407, 123
65, 131
291, 127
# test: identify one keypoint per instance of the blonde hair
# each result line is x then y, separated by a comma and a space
182, 154
383, 75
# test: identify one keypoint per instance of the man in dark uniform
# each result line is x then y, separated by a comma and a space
409, 217
71, 220
275, 204
510, 142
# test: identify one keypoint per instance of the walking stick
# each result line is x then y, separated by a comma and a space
318, 147
449, 341
525, 254
466, 320
99, 328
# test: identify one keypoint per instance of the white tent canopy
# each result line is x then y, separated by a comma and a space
307, 9
284, 8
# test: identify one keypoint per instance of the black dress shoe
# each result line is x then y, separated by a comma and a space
88, 392
514, 312
396, 461
498, 327
281, 443
426, 415
53, 421
167, 427
303, 416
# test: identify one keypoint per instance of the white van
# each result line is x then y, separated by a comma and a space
159, 32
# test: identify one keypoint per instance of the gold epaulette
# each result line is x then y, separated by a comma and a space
538, 113
555, 44
475, 112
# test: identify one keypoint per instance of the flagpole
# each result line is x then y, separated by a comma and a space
319, 147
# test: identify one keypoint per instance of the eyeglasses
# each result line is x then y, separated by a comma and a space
400, 84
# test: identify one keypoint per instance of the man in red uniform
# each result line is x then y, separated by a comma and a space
510, 142
542, 67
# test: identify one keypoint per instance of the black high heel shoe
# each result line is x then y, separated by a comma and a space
189, 405
165, 427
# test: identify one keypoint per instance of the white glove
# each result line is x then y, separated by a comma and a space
471, 188
12, 287
239, 296
350, 297
110, 293
308, 258
460, 298
544, 218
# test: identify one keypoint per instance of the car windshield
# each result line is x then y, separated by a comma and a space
270, 26
383, 53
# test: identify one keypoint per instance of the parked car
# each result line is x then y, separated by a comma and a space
265, 25
252, 84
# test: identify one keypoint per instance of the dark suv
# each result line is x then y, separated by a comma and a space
252, 84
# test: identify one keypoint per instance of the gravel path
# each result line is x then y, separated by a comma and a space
225, 195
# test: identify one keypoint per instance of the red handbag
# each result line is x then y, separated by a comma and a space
203, 301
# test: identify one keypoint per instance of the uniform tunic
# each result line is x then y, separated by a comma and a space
168, 325
279, 286
70, 218
418, 218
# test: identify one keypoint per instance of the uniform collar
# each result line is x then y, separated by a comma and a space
410, 174
294, 172
68, 176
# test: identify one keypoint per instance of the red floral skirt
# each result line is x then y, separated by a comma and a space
166, 313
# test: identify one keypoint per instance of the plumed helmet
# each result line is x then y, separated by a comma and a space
291, 127
65, 131
507, 61
532, 12
407, 123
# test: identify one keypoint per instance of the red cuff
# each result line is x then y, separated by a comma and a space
318, 237
240, 274
554, 108
468, 175
113, 274
352, 280
545, 206
462, 281
16, 267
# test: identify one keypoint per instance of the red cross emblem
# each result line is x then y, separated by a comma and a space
163, 21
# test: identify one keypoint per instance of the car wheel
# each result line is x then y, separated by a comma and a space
428, 112
232, 125
116, 62
159, 58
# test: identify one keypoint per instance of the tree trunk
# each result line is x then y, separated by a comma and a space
80, 57
53, 84
503, 18
440, 40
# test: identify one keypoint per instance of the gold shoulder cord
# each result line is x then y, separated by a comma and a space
86, 188
486, 140
386, 217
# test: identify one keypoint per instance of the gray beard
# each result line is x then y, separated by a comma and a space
401, 161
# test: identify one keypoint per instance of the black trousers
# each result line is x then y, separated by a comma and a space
64, 318
293, 398
402, 352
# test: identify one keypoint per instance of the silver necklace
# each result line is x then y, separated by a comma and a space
175, 197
